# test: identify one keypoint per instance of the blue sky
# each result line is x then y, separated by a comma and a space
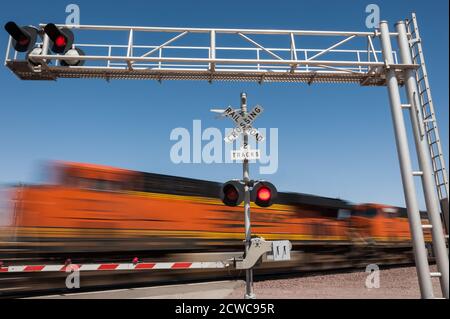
334, 140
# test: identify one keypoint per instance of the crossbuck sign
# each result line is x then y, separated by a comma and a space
243, 123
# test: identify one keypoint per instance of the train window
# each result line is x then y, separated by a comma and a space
391, 212
371, 212
70, 181
94, 184
368, 213
109, 186
87, 183
103, 185
403, 213
343, 214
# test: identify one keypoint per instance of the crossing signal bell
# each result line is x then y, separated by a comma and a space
23, 38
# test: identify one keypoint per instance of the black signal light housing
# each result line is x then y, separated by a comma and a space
24, 38
232, 193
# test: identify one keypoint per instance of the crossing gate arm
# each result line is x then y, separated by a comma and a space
114, 266
279, 251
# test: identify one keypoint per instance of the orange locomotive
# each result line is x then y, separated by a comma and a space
92, 208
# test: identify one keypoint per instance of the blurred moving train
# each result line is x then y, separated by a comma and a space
100, 209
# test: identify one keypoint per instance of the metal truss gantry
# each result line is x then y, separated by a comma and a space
365, 58
244, 58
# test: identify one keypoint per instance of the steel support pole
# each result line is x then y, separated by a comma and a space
424, 157
418, 242
45, 44
249, 294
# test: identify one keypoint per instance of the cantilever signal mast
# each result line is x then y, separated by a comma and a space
369, 61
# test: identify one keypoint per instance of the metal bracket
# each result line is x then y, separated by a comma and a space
414, 41
278, 251
258, 248
37, 68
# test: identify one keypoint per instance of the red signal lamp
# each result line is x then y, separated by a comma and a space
264, 194
61, 38
61, 41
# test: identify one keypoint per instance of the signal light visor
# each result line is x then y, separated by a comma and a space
23, 38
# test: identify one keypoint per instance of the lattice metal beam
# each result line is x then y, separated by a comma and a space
234, 62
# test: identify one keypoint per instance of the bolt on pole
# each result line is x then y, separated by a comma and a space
249, 294
409, 189
431, 199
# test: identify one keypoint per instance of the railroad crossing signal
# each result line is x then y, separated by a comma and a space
24, 38
61, 41
233, 193
263, 193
